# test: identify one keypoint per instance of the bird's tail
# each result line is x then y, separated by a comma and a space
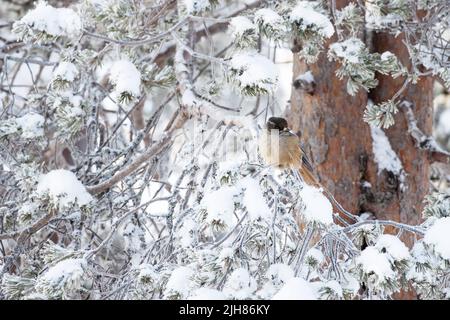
307, 177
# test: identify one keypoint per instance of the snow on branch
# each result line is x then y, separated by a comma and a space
423, 141
129, 167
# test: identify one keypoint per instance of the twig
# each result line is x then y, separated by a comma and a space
423, 141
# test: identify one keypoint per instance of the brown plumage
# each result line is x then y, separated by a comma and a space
279, 147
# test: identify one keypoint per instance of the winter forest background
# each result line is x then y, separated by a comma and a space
129, 163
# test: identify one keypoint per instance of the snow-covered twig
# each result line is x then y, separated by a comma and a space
423, 141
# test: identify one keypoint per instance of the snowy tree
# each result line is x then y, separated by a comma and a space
129, 161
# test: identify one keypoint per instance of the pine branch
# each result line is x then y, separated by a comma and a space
423, 141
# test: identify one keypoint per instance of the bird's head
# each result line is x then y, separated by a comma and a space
277, 123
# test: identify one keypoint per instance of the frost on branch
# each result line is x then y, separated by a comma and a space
317, 207
243, 31
198, 6
67, 279
46, 23
139, 98
240, 285
358, 65
64, 75
28, 126
63, 188
253, 73
126, 79
438, 237
270, 24
312, 27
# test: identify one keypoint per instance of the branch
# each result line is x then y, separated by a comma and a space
397, 225
219, 25
145, 157
25, 233
423, 141
139, 42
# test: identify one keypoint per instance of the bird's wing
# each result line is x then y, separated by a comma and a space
305, 161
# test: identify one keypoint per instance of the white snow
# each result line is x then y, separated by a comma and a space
334, 286
147, 273
241, 25
66, 273
179, 282
308, 18
421, 256
439, 237
350, 284
317, 207
306, 77
254, 200
269, 17
188, 98
394, 247
31, 125
125, 77
207, 294
385, 157
376, 19
219, 205
348, 50
254, 69
296, 289
443, 126
240, 285
386, 55
66, 71
226, 253
372, 261
315, 255
279, 273
63, 187
196, 6
187, 232
53, 21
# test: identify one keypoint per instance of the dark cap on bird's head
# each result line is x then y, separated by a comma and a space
277, 123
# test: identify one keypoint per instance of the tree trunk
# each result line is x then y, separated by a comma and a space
386, 199
330, 124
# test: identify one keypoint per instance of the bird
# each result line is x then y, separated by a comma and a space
281, 148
